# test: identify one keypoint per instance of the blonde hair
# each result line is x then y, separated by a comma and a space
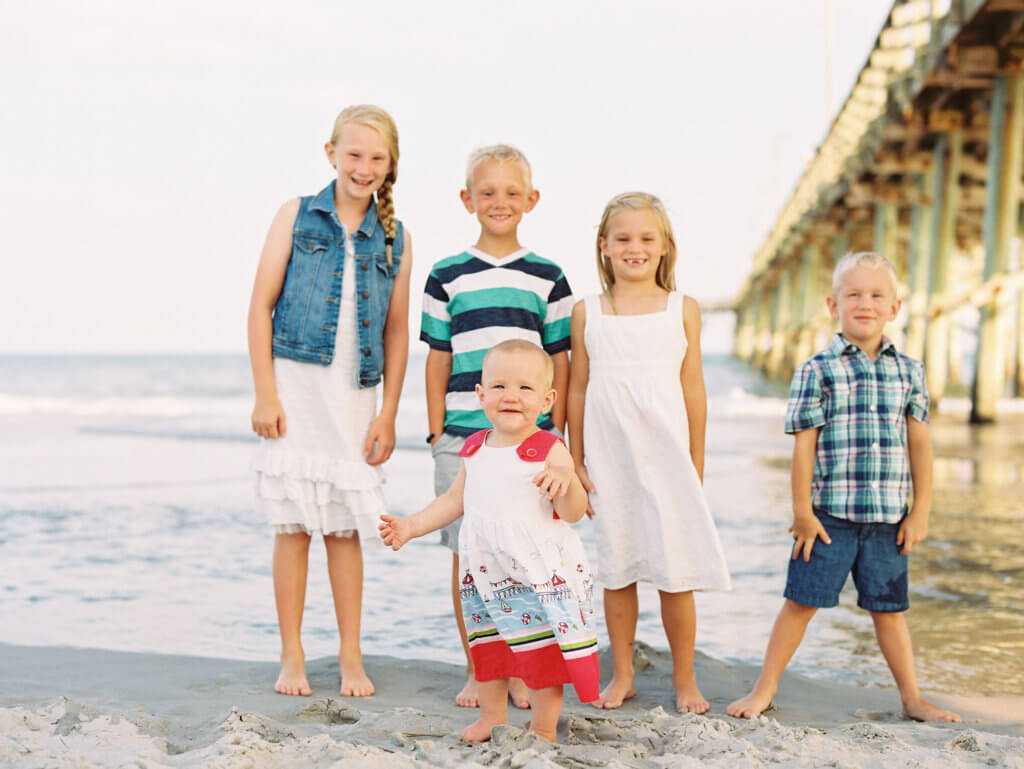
501, 153
862, 259
379, 120
638, 201
523, 345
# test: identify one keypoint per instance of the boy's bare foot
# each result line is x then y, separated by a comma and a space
480, 730
292, 679
923, 710
519, 693
690, 700
754, 704
469, 697
615, 693
354, 681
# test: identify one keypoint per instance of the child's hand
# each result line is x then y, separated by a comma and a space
807, 528
554, 480
913, 530
395, 531
380, 440
268, 418
588, 487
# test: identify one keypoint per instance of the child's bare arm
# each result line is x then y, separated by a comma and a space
692, 380
579, 375
438, 370
268, 418
558, 481
396, 531
915, 526
806, 526
380, 438
560, 383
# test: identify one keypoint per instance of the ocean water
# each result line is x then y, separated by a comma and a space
126, 522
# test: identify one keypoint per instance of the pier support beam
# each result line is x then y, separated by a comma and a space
762, 330
780, 324
945, 199
810, 269
1001, 209
918, 258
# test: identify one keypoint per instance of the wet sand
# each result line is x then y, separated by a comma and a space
64, 707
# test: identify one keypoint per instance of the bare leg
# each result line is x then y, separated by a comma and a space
291, 562
786, 636
894, 641
345, 569
469, 697
679, 616
620, 614
546, 704
493, 710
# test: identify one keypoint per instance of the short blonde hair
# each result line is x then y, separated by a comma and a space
523, 345
638, 201
501, 153
862, 259
379, 120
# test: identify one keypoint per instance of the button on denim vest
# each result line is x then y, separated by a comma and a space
306, 314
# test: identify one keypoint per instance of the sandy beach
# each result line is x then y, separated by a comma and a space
66, 707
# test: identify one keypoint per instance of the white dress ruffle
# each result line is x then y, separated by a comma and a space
315, 478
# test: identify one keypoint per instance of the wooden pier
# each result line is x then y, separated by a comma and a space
923, 163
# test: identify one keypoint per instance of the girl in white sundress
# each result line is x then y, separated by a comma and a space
637, 410
328, 319
526, 586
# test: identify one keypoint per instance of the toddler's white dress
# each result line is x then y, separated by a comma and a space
315, 478
652, 520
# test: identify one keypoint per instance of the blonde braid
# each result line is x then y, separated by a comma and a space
386, 212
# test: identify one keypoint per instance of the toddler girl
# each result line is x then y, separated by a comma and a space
637, 410
328, 318
526, 587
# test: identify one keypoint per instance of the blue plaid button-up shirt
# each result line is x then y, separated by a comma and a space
861, 469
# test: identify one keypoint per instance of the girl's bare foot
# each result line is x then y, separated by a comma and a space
519, 693
690, 700
923, 710
469, 697
754, 704
615, 693
480, 730
354, 681
292, 679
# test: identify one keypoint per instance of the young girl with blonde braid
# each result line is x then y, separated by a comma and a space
637, 410
328, 319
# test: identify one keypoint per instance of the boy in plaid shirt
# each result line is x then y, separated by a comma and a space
859, 412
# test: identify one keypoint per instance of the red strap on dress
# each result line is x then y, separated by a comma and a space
473, 442
536, 447
533, 449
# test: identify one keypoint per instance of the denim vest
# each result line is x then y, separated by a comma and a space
306, 313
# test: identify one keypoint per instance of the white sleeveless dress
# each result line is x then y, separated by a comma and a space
315, 478
652, 520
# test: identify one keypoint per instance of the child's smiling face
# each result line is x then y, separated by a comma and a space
499, 196
362, 159
864, 302
514, 389
634, 244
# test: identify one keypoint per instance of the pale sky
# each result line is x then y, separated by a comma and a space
146, 145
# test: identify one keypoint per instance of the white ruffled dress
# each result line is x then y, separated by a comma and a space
315, 478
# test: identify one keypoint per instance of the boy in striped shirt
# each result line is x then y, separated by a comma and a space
493, 291
859, 413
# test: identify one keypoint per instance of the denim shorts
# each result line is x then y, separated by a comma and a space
866, 550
